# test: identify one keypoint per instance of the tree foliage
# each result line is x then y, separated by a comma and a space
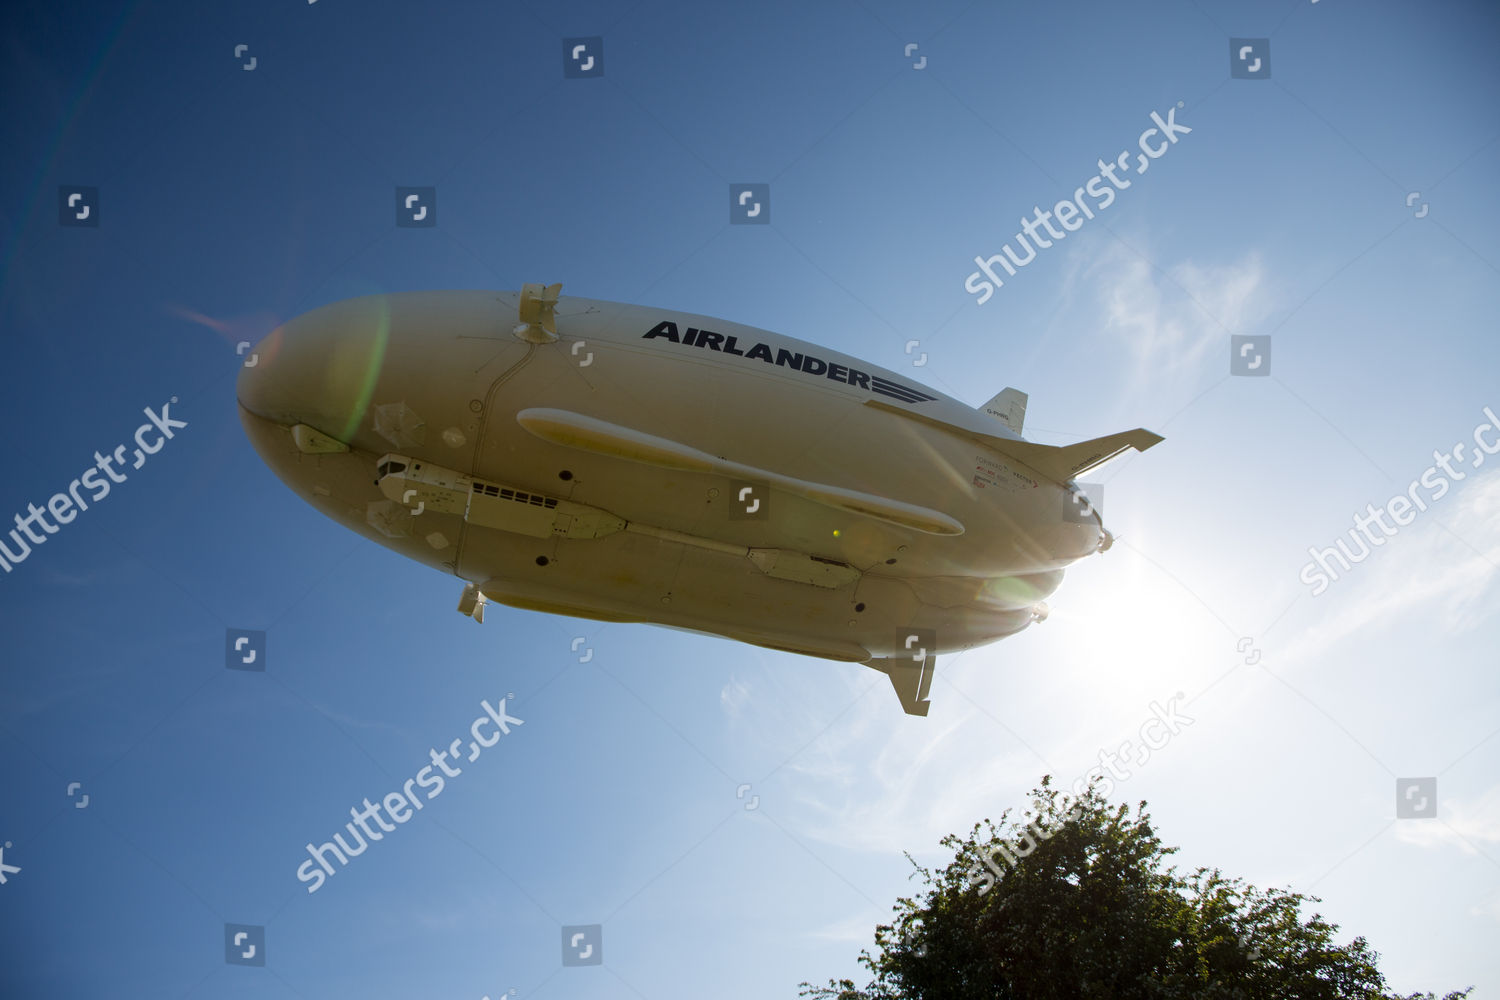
1077, 902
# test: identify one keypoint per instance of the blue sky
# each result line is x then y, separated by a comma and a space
231, 200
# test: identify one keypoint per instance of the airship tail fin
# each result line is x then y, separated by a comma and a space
912, 679
1071, 461
1057, 463
1008, 407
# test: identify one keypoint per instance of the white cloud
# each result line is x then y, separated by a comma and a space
885, 783
858, 928
1172, 321
1471, 827
734, 695
1489, 908
1447, 558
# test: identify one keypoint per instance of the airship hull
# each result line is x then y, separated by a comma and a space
624, 463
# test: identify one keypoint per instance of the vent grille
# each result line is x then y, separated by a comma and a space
515, 496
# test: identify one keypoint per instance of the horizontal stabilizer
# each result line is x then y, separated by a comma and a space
1058, 464
1071, 461
1008, 407
911, 678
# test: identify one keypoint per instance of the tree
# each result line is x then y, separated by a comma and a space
1077, 903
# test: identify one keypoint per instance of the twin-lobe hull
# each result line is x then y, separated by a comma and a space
634, 464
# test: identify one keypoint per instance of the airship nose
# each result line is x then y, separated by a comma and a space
320, 368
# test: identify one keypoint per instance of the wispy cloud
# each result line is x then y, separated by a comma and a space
1446, 561
734, 695
884, 783
1472, 827
1172, 320
1489, 908
858, 928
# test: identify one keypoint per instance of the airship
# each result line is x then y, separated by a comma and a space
624, 463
